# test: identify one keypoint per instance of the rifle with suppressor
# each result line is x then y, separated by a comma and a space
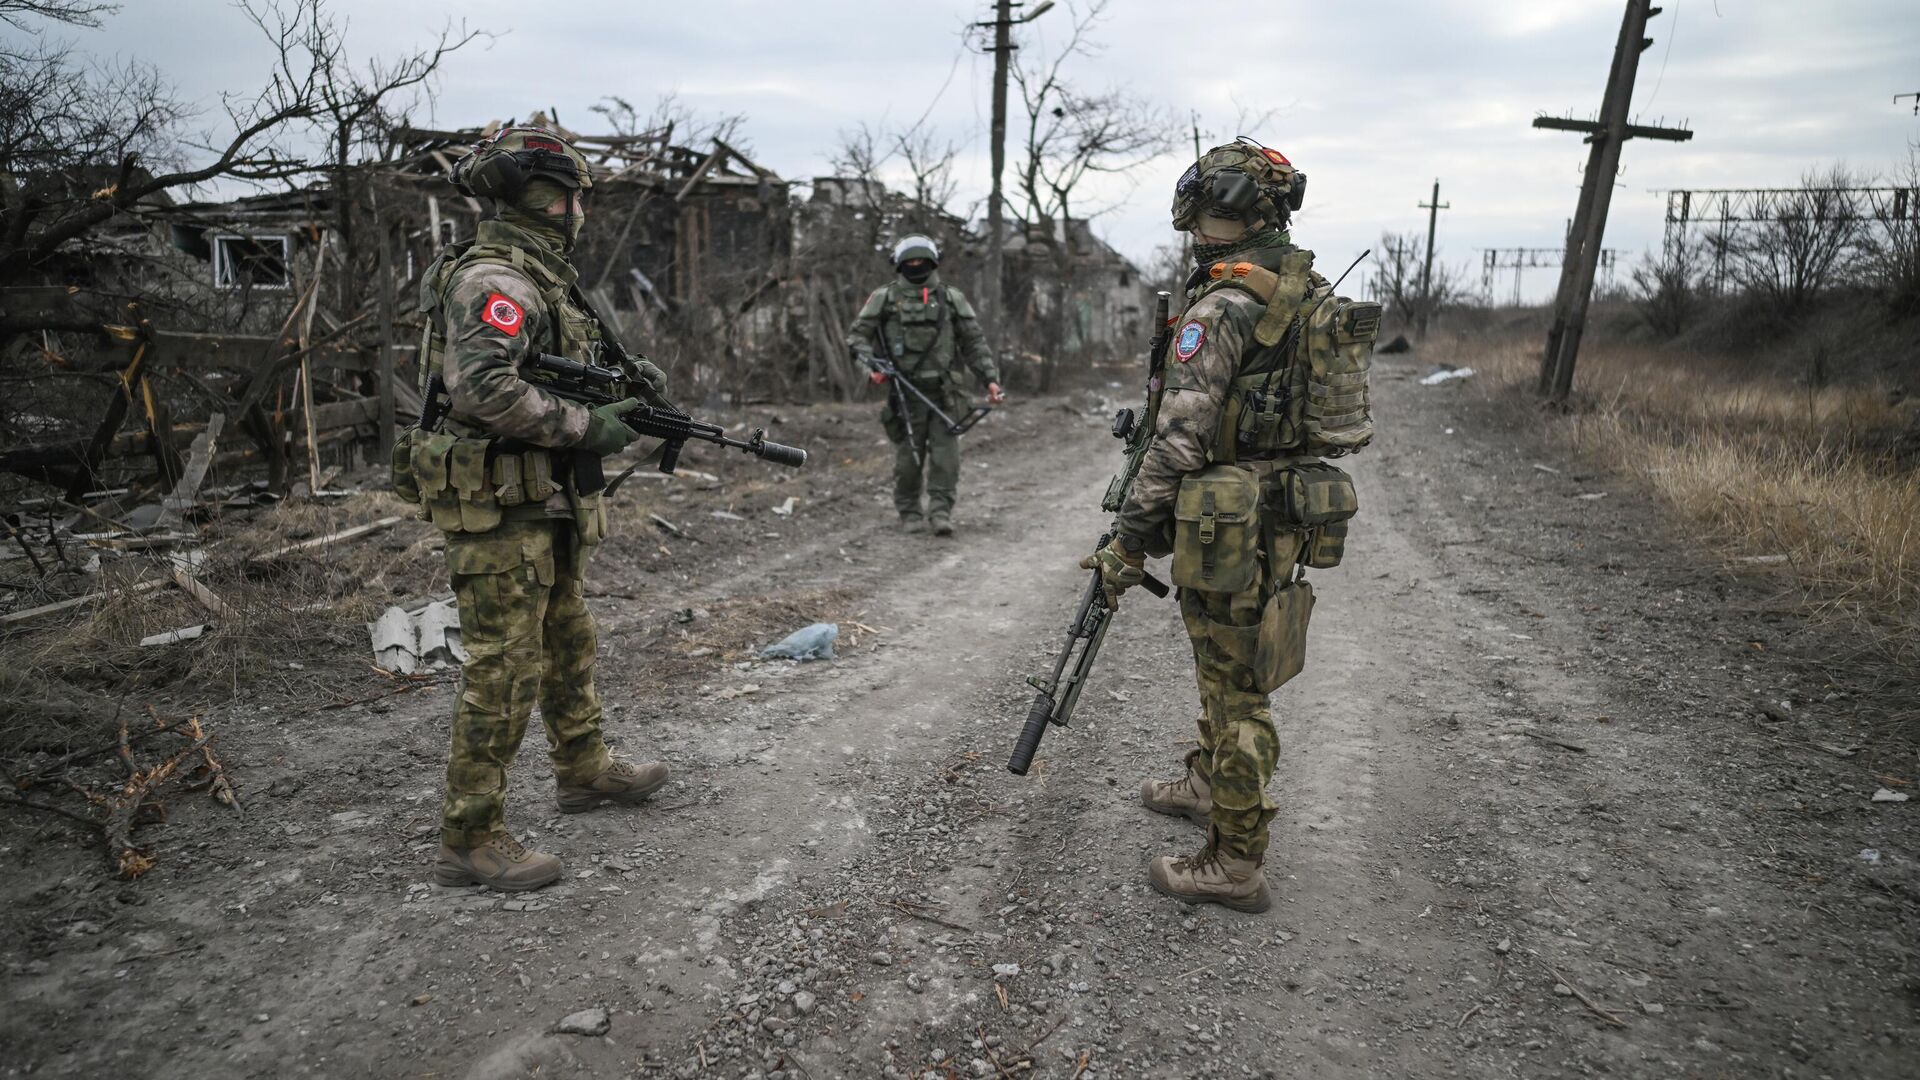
1060, 692
592, 386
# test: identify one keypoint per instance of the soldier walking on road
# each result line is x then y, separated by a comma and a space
1266, 377
927, 330
498, 478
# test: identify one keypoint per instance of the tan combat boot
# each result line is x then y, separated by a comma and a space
501, 863
1190, 797
1212, 877
623, 782
941, 525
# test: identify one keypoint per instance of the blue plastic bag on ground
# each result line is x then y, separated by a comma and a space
808, 643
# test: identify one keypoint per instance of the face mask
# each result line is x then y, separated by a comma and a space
529, 211
916, 270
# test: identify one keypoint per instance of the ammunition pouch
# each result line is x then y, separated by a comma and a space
469, 485
1217, 530
1318, 498
400, 466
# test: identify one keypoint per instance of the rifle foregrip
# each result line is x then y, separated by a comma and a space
1038, 717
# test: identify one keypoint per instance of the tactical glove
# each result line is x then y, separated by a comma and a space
649, 375
605, 433
1119, 568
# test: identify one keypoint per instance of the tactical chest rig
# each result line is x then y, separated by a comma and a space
464, 478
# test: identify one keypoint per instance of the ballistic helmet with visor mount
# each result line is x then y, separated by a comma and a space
916, 247
1239, 181
500, 167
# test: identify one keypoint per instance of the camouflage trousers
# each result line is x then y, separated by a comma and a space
529, 638
932, 442
1238, 745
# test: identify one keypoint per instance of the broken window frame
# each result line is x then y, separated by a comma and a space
225, 269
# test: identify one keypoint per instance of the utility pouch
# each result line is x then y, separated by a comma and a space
1216, 532
1326, 546
1282, 652
536, 475
401, 466
467, 473
589, 517
438, 501
507, 485
1312, 493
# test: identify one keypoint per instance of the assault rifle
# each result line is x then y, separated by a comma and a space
1060, 692
592, 386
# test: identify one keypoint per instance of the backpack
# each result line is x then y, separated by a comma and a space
1305, 389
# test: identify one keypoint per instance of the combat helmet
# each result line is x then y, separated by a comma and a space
916, 247
1239, 181
500, 167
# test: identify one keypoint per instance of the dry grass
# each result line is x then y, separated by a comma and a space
300, 610
1758, 469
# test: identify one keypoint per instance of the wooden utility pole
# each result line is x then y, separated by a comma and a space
1002, 25
1606, 137
1432, 206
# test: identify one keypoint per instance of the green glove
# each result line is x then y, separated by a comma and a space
605, 433
1119, 568
649, 375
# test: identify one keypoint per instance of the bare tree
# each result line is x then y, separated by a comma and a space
929, 162
80, 146
1397, 279
1667, 290
1890, 246
1073, 134
670, 121
24, 15
1792, 257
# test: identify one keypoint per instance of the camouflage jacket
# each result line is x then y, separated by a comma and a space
927, 328
1212, 340
495, 315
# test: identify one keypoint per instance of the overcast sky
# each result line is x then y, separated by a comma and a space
1373, 100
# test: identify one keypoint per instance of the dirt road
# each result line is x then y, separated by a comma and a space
1533, 819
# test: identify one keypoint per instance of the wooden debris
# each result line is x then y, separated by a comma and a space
74, 602
174, 507
183, 577
341, 537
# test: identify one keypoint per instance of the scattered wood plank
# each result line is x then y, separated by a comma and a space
74, 602
174, 507
341, 537
206, 597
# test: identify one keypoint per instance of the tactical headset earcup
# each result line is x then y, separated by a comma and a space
493, 174
1298, 194
1232, 193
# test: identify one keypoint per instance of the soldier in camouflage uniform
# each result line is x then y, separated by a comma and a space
497, 477
1236, 203
926, 329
